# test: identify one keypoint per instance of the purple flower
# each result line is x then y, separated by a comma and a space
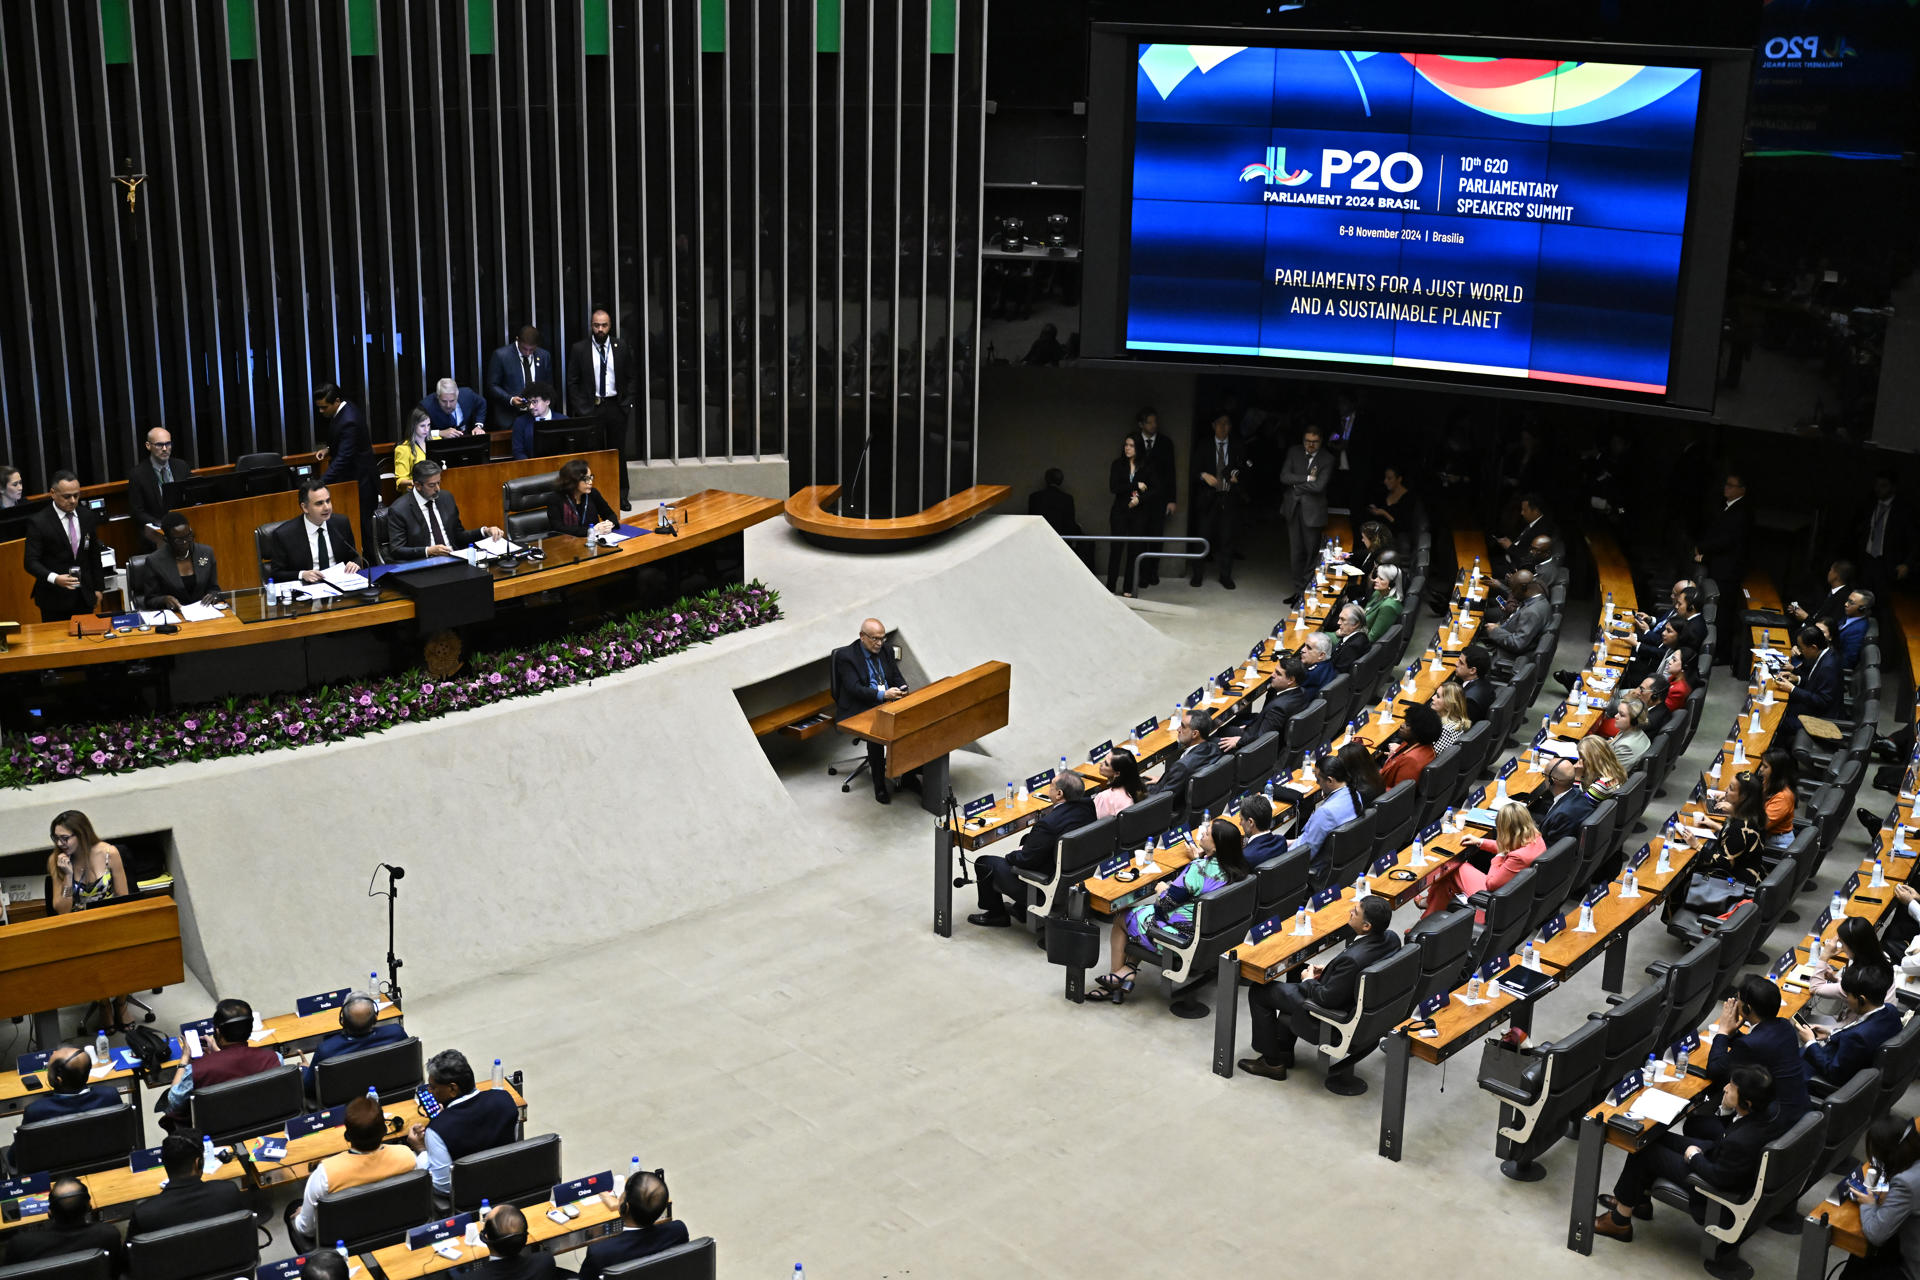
495, 678
426, 691
99, 757
39, 739
190, 724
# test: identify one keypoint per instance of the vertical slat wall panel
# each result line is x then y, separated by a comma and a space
779, 201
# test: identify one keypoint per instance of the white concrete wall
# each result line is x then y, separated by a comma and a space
532, 827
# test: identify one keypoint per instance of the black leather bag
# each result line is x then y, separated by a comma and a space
1074, 944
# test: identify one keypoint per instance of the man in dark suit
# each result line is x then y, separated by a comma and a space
1218, 462
1850, 630
1316, 656
1769, 1041
1830, 600
1052, 503
455, 410
68, 1070
360, 1029
1278, 1010
147, 486
1263, 843
1304, 479
504, 1231
426, 521
1724, 1154
1514, 638
1816, 683
642, 1233
510, 369
1285, 700
539, 398
1516, 544
70, 1228
1884, 538
1156, 458
317, 540
62, 553
187, 1197
866, 675
998, 878
600, 386
1836, 1054
1563, 804
1473, 667
348, 452
1351, 642
1197, 751
1722, 555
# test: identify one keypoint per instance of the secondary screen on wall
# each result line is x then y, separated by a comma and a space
1513, 217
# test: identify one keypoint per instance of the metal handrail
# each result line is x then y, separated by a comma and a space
1206, 548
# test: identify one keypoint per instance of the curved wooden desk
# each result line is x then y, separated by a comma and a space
807, 512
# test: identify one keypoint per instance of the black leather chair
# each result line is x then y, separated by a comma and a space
1284, 884
694, 1260
523, 502
258, 461
1144, 820
1735, 935
1786, 1163
1382, 1001
1075, 857
1507, 909
1339, 693
1435, 787
391, 1070
521, 1173
1553, 881
1254, 762
1393, 828
1541, 1093
1305, 732
211, 1249
1221, 918
1849, 1110
263, 546
248, 1107
93, 1264
1600, 844
376, 1214
1690, 989
1445, 939
85, 1142
1632, 1023
1346, 850
1476, 747
1209, 790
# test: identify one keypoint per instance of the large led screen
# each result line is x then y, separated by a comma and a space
1516, 218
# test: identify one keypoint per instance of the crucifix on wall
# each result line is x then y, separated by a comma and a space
131, 180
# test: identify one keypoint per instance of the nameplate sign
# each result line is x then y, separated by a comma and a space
1101, 752
1039, 780
32, 1184
1145, 727
1327, 895
434, 1232
315, 1121
144, 1159
308, 1005
581, 1188
1265, 929
974, 808
1195, 698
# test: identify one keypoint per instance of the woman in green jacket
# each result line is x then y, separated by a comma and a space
1383, 607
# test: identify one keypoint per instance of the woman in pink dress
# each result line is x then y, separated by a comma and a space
1488, 864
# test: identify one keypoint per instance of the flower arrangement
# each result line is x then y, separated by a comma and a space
247, 726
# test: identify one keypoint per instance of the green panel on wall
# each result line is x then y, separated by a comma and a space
243, 37
596, 27
713, 26
828, 12
941, 25
116, 30
363, 27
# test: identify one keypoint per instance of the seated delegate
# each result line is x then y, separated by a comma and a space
70, 1228
1767, 1040
181, 572
1488, 864
647, 1226
1221, 863
360, 1029
1197, 751
426, 520
368, 1158
471, 1118
576, 507
1834, 1055
231, 1057
188, 1196
1278, 1010
504, 1232
539, 396
1887, 1217
316, 540
454, 410
1125, 784
999, 878
68, 1071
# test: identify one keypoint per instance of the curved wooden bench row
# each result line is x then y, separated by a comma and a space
1610, 566
807, 512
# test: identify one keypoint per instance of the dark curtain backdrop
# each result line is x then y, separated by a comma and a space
777, 199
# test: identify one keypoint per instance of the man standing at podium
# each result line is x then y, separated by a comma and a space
864, 676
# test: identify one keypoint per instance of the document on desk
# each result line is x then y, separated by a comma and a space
154, 617
341, 580
311, 590
1565, 750
1658, 1106
491, 547
201, 612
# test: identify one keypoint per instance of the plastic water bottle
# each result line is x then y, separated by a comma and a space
1063, 768
100, 1050
1476, 571
1814, 951
1010, 800
1879, 880
663, 520
209, 1155
1899, 837
340, 1247
499, 1074
1629, 884
1653, 1068
797, 1273
1608, 620
1530, 955
1473, 985
269, 595
473, 1228
1419, 854
1360, 886
1839, 905
633, 1167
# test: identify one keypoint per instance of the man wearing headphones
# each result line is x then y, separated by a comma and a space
70, 1228
231, 1058
471, 1119
359, 1029
365, 1160
508, 1258
642, 1233
188, 1196
68, 1071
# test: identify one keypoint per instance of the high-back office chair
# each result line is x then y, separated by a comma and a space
694, 1260
249, 1106
94, 1264
263, 546
375, 1214
521, 1173
391, 1070
84, 1142
523, 506
211, 1249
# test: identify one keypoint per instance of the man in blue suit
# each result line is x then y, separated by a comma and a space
643, 1204
510, 369
348, 452
1769, 1041
1836, 1055
359, 1029
1852, 631
455, 410
68, 1071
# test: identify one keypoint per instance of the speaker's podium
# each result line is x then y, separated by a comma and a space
919, 729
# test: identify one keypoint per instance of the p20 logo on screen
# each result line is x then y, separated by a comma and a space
1397, 171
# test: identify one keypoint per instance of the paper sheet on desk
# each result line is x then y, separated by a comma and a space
201, 612
1565, 750
154, 617
491, 547
1657, 1105
340, 579
310, 590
